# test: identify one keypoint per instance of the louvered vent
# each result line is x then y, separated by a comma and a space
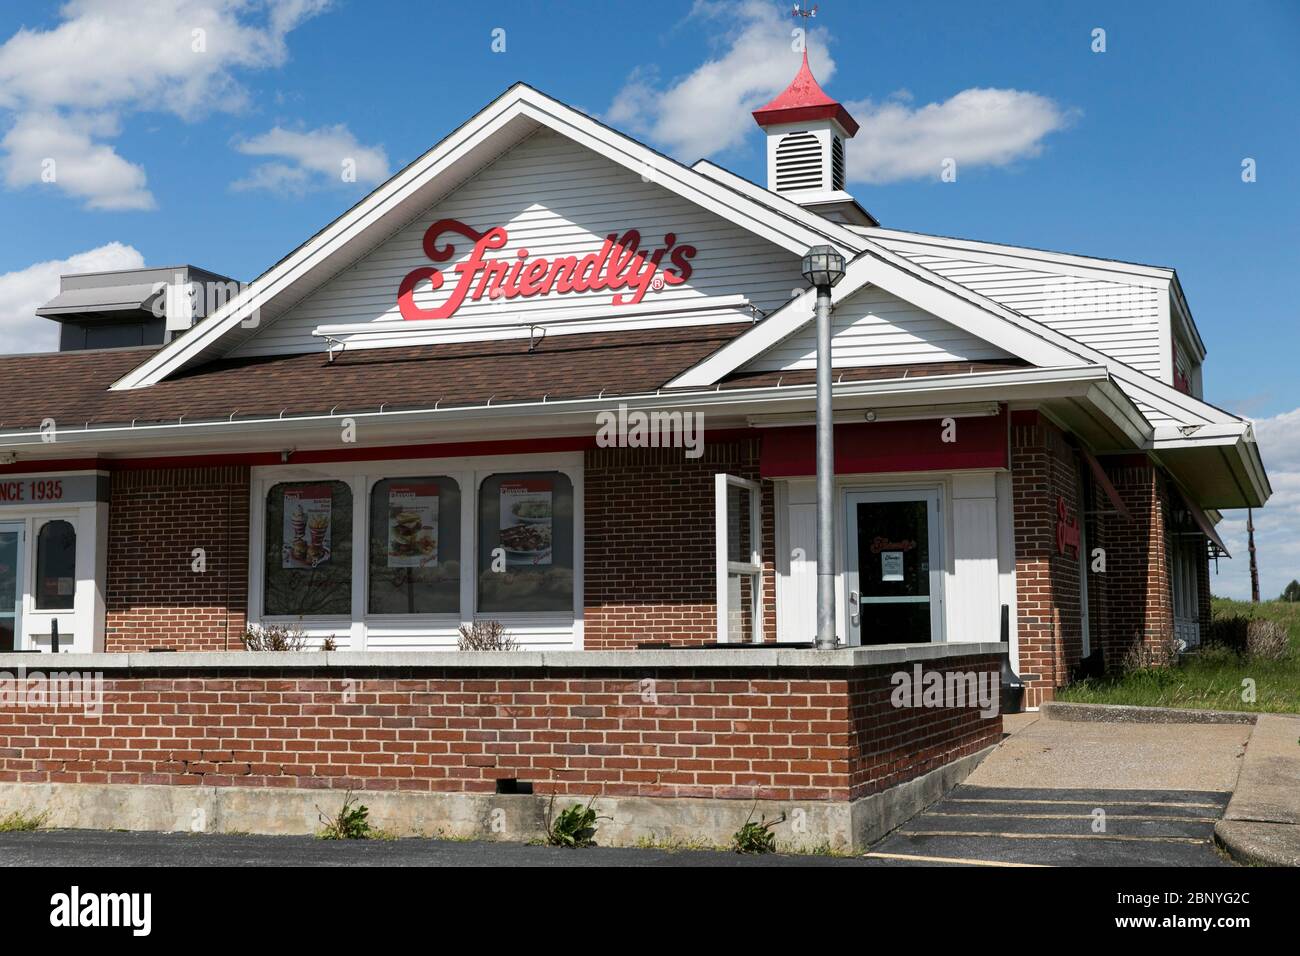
837, 163
798, 162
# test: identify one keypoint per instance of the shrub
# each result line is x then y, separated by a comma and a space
350, 823
1267, 640
1230, 631
274, 637
485, 636
574, 827
1144, 655
329, 644
755, 837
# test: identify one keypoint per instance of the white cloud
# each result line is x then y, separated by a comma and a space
315, 159
1277, 524
58, 150
976, 127
106, 58
707, 111
24, 291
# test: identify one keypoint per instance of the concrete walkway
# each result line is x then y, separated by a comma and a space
1067, 793
1262, 823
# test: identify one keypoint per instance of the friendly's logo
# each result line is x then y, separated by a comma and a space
620, 264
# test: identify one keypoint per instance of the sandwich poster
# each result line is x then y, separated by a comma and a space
413, 526
308, 516
526, 508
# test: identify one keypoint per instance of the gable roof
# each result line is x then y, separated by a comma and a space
997, 324
503, 123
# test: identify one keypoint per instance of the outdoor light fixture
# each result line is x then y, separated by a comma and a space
823, 267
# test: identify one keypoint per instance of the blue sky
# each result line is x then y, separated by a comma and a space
1134, 153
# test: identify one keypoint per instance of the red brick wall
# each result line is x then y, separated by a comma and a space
892, 745
742, 733
649, 547
1136, 583
1048, 627
156, 520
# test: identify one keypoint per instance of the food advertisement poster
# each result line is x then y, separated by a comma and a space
526, 511
413, 526
308, 514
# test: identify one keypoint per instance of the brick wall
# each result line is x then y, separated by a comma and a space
724, 732
1048, 621
649, 548
1136, 583
156, 520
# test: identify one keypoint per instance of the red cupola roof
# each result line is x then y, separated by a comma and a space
803, 100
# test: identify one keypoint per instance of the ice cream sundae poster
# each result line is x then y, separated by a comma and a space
308, 520
526, 513
413, 526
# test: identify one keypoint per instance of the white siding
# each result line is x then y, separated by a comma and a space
555, 198
1121, 319
874, 327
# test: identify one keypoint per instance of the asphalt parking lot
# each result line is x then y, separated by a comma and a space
976, 826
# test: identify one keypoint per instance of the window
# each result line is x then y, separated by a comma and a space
525, 538
56, 566
308, 553
414, 546
739, 561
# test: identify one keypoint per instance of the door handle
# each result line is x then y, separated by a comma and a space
855, 614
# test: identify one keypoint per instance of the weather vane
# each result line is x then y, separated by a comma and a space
804, 12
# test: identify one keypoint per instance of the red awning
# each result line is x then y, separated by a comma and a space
873, 447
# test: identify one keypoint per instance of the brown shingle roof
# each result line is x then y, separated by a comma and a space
72, 387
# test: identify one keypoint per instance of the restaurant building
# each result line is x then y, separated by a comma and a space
550, 377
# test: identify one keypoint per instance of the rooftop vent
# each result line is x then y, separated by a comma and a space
130, 307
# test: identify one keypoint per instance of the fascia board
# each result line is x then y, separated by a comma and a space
1000, 252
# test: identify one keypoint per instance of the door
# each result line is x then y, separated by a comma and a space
895, 570
11, 589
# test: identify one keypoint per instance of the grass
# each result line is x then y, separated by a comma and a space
20, 821
1210, 679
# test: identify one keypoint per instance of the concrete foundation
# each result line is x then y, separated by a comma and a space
808, 825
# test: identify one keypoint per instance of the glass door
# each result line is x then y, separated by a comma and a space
11, 590
895, 571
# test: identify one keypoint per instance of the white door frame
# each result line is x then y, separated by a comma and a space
20, 561
933, 496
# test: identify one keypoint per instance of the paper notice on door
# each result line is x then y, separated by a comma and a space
891, 565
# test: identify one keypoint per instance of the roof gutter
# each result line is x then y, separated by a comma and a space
1024, 385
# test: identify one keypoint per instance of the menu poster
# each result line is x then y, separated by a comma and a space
308, 510
891, 565
526, 512
413, 525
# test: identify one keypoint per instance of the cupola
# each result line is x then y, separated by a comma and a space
806, 130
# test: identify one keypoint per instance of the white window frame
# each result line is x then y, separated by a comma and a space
363, 630
724, 568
